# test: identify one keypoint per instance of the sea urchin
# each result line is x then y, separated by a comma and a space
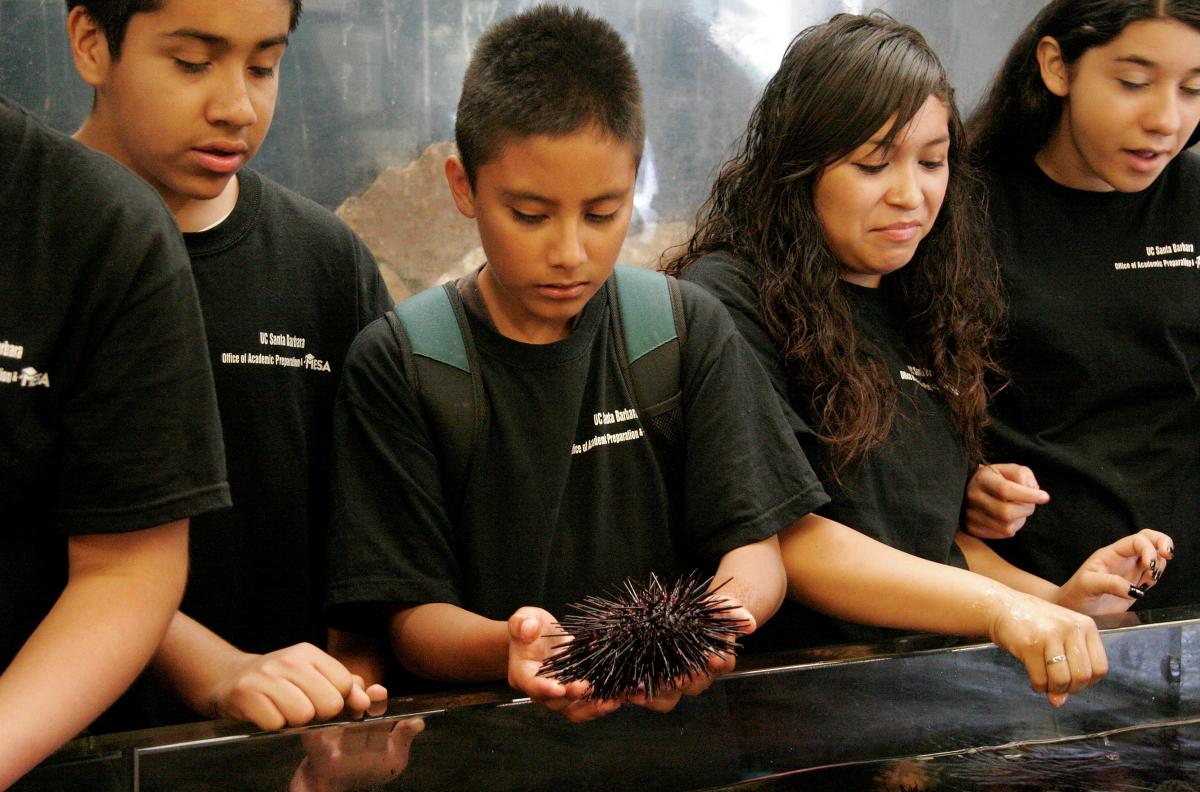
644, 639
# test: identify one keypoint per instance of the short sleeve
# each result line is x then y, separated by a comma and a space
746, 477
141, 440
390, 534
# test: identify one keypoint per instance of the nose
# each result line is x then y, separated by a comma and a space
230, 102
1162, 112
567, 249
904, 191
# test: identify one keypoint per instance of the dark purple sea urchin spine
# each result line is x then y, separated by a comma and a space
645, 638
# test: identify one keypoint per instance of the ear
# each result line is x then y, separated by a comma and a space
460, 186
1055, 73
89, 47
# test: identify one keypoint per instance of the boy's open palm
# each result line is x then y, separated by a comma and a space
529, 643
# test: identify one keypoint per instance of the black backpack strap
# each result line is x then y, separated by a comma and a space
648, 312
440, 362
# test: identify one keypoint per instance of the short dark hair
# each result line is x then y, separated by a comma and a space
113, 17
1018, 114
547, 71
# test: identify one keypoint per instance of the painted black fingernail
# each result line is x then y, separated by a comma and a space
1136, 592
1144, 586
1171, 550
1153, 564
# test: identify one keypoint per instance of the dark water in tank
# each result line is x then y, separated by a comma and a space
1158, 759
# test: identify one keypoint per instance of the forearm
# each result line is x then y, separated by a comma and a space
838, 571
193, 660
445, 642
120, 595
755, 576
363, 655
983, 560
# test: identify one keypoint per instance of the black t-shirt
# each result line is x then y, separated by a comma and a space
285, 287
1104, 354
549, 514
907, 492
107, 416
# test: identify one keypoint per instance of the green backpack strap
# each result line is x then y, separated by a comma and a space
647, 308
440, 362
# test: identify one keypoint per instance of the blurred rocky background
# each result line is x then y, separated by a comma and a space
369, 88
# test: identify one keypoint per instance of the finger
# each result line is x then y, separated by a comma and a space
1034, 661
1058, 668
524, 627
1117, 586
1096, 654
325, 700
277, 702
1079, 664
1013, 483
333, 670
662, 702
583, 711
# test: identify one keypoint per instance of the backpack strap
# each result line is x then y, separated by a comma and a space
440, 362
647, 308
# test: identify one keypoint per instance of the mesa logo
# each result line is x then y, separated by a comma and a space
27, 377
315, 363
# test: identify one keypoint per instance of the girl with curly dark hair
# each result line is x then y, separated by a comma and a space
844, 240
1095, 210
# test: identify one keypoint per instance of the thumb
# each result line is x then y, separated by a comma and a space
524, 627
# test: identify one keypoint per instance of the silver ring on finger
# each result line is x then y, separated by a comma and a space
1061, 658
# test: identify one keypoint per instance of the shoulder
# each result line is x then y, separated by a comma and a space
83, 207
286, 204
731, 280
1182, 177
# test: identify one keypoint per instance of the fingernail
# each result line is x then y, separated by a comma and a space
1153, 564
1171, 550
1136, 592
1144, 586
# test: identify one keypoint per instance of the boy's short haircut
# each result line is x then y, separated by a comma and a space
113, 17
548, 71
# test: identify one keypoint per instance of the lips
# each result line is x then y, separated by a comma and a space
221, 157
900, 232
562, 291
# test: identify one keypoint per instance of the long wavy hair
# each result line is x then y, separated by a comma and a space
839, 84
1018, 113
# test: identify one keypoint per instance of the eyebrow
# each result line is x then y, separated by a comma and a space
1138, 60
517, 195
213, 40
878, 143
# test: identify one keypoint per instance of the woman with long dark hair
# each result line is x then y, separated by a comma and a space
1095, 211
844, 241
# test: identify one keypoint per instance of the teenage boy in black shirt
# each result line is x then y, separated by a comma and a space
184, 95
550, 132
109, 438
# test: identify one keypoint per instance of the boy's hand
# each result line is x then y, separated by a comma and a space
1061, 649
718, 664
1116, 576
291, 687
341, 758
999, 500
528, 646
